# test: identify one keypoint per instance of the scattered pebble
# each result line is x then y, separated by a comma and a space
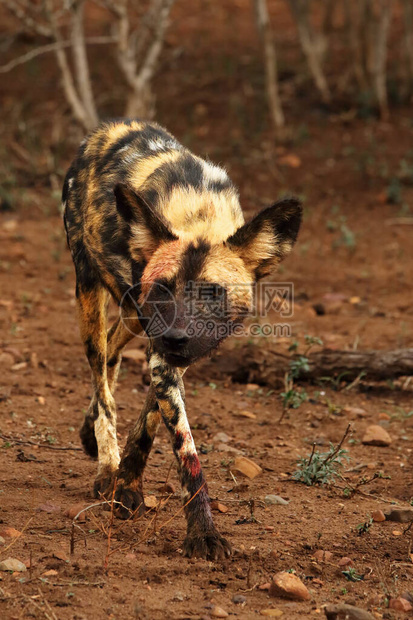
41, 400
216, 505
50, 573
2, 540
344, 561
346, 612
167, 488
271, 613
397, 533
224, 447
13, 565
72, 511
218, 612
275, 500
323, 556
378, 516
150, 501
239, 599
400, 604
49, 508
376, 435
178, 596
247, 467
221, 438
400, 515
9, 532
356, 411
6, 359
290, 586
245, 414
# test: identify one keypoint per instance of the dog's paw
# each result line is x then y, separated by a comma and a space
129, 500
208, 546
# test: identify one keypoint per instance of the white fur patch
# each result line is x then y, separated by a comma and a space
213, 174
159, 144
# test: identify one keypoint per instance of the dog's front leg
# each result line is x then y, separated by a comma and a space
203, 539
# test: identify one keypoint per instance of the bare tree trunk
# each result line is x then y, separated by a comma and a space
408, 34
81, 63
380, 74
353, 16
270, 57
138, 52
313, 45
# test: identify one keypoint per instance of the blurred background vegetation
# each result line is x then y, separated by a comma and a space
247, 82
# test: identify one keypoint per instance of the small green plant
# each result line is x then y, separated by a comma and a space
352, 575
293, 398
363, 528
322, 467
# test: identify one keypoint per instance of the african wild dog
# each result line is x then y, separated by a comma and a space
142, 211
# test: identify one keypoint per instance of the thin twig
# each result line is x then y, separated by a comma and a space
51, 47
39, 445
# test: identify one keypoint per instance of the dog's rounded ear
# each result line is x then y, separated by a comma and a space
269, 237
148, 228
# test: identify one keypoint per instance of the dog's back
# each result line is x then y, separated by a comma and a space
194, 197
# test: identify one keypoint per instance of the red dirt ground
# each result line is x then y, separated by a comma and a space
343, 166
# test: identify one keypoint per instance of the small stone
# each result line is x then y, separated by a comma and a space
224, 447
264, 586
400, 604
246, 414
356, 411
271, 613
167, 488
6, 360
375, 435
74, 510
253, 386
288, 585
384, 416
9, 532
323, 556
41, 400
397, 533
247, 467
178, 596
12, 565
19, 366
216, 505
48, 507
400, 515
150, 501
272, 500
345, 561
50, 573
218, 612
221, 438
239, 599
346, 612
378, 516
2, 540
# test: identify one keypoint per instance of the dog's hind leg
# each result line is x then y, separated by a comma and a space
203, 539
92, 312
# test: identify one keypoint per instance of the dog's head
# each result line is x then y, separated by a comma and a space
193, 293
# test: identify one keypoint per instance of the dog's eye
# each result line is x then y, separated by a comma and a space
161, 290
